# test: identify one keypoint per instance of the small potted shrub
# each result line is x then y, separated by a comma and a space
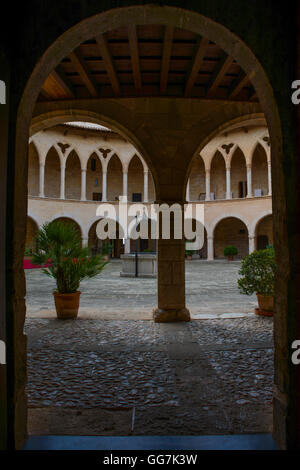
60, 243
106, 250
258, 274
189, 254
230, 251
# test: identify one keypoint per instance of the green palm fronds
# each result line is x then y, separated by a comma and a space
58, 244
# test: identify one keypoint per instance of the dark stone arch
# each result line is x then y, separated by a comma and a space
283, 195
231, 231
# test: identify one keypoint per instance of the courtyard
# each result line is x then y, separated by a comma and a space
113, 371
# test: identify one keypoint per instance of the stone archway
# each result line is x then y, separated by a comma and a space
70, 221
264, 232
260, 171
73, 176
52, 173
231, 231
218, 177
112, 248
232, 45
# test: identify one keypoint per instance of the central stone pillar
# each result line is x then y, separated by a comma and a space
42, 180
125, 183
146, 186
249, 180
269, 179
171, 279
62, 180
228, 183
207, 185
83, 184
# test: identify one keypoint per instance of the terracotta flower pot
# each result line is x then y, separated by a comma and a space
230, 257
67, 305
265, 304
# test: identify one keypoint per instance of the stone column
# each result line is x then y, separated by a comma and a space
127, 246
207, 185
125, 183
85, 241
188, 198
210, 249
104, 187
228, 183
251, 243
42, 180
83, 184
146, 197
62, 180
171, 278
249, 180
269, 179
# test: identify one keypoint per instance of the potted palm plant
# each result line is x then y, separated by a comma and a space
230, 251
70, 263
258, 274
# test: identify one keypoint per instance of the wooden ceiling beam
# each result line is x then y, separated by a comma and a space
135, 61
45, 94
253, 96
108, 61
218, 74
198, 59
238, 85
84, 73
166, 56
59, 76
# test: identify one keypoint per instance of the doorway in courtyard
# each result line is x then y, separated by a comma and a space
131, 375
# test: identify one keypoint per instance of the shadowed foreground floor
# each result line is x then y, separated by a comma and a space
100, 377
115, 372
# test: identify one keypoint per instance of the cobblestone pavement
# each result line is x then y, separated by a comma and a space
122, 377
211, 291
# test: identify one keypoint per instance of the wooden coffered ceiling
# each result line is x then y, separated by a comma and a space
148, 60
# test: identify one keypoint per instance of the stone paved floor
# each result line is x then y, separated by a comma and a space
127, 376
211, 290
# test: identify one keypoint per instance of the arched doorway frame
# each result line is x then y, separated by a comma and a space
224, 217
177, 17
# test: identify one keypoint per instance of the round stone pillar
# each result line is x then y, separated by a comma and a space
210, 249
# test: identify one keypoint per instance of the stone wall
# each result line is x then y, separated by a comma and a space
197, 180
